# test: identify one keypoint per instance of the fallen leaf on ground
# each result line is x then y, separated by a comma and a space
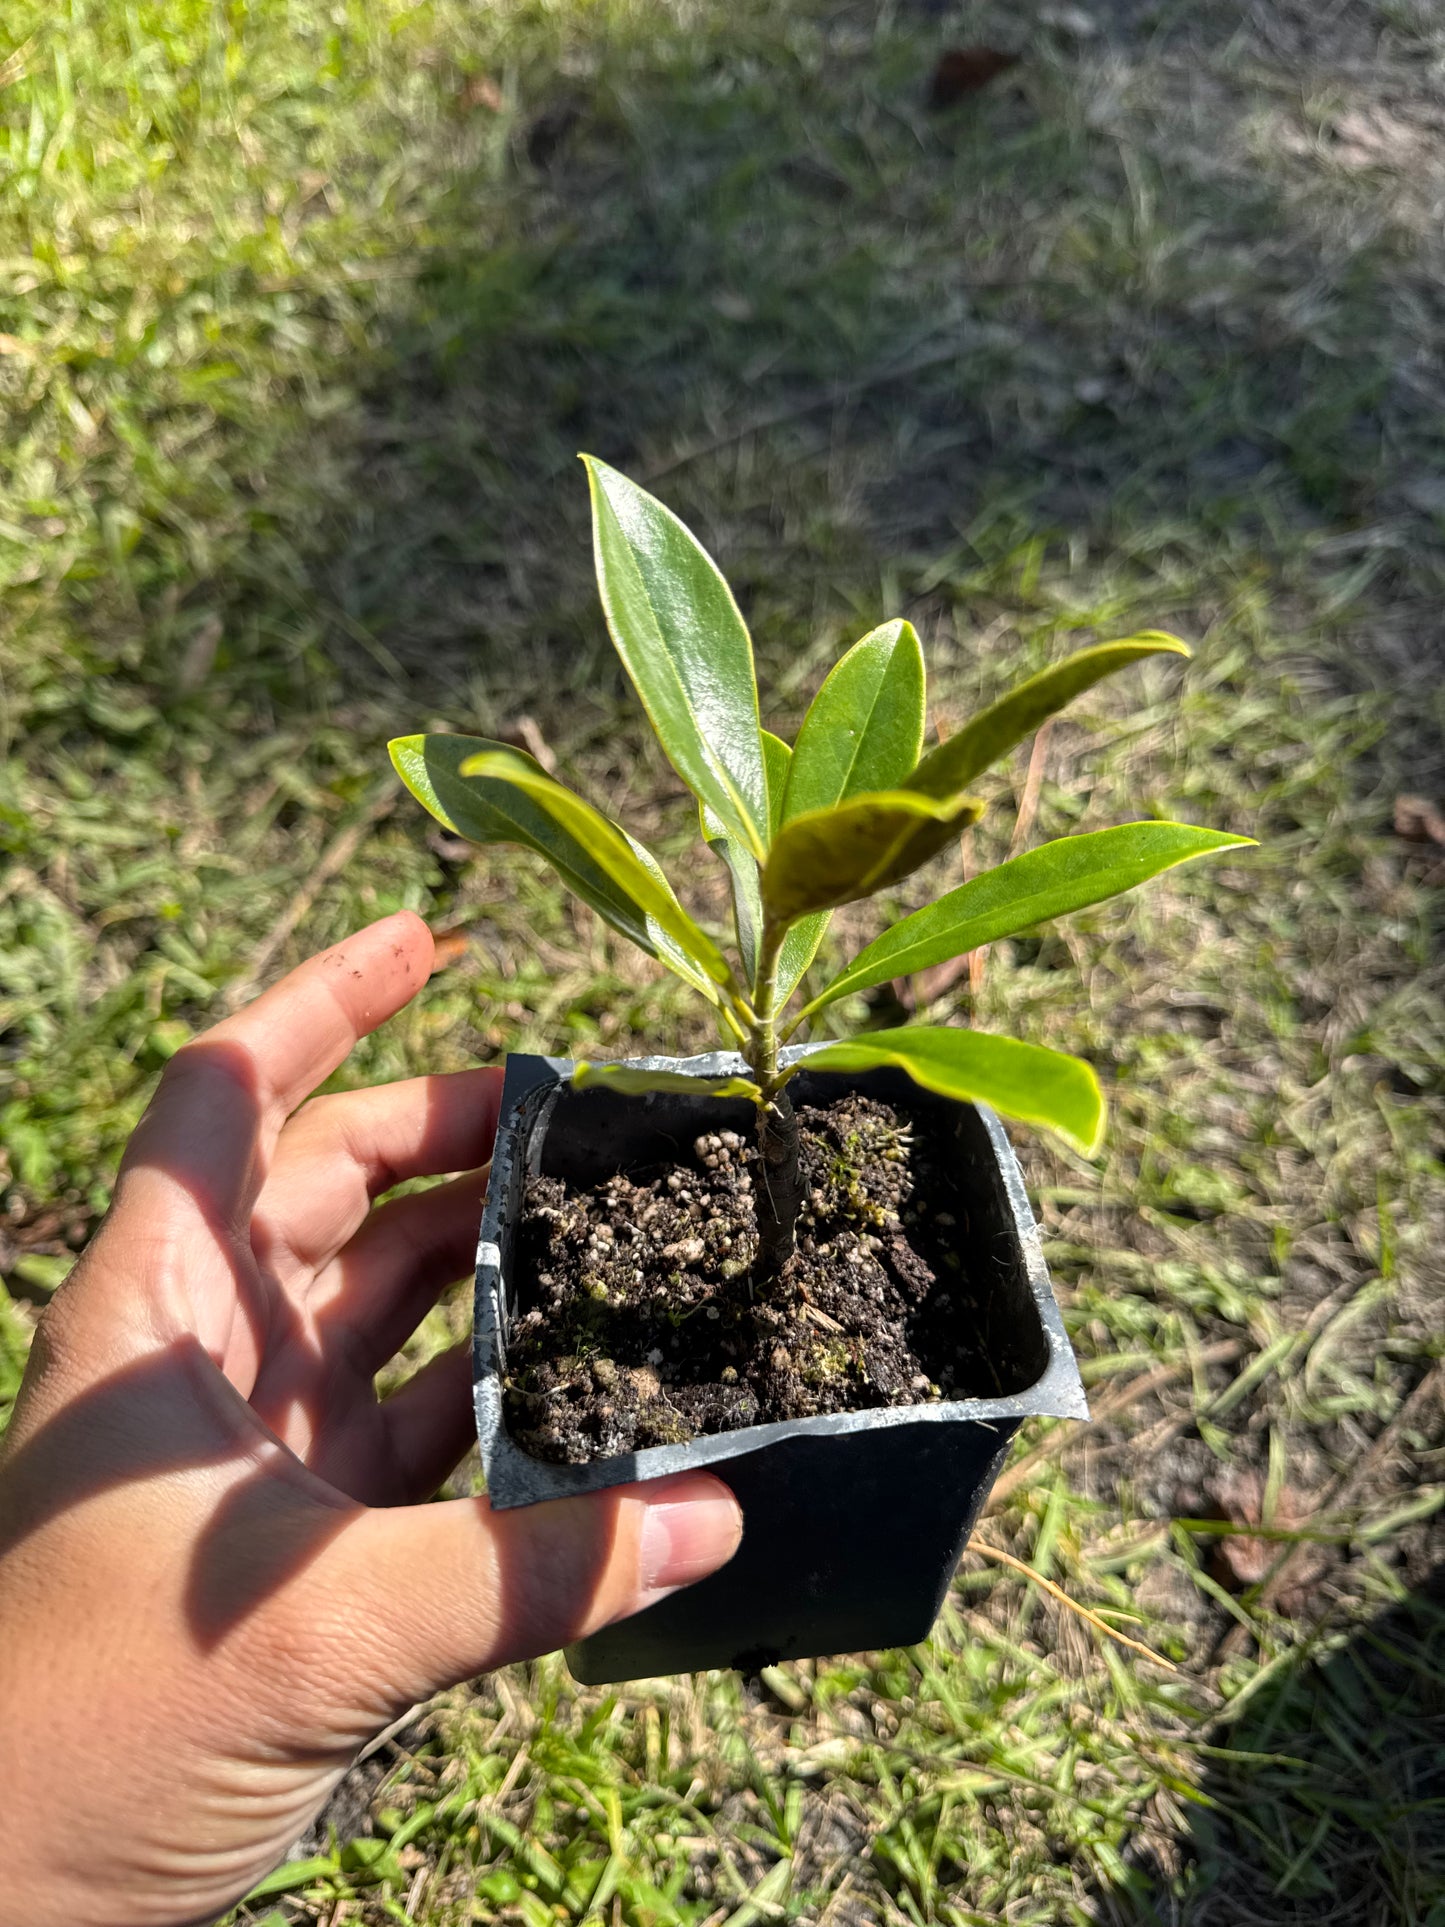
448, 947
1418, 820
1240, 1561
523, 733
199, 656
480, 90
451, 849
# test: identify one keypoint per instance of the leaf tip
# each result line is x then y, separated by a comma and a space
1166, 643
406, 752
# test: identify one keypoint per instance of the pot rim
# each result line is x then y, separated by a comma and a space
515, 1478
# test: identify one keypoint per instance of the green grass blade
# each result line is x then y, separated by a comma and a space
990, 735
1048, 882
1023, 1081
686, 647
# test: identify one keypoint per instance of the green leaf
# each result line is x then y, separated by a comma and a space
991, 734
777, 760
295, 1873
834, 856
632, 869
502, 1887
487, 810
685, 646
1023, 1081
800, 945
862, 732
1048, 882
743, 869
628, 1078
742, 866
864, 728
375, 1859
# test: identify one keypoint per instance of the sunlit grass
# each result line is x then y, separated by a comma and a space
304, 313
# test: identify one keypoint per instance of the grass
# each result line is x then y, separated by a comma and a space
304, 312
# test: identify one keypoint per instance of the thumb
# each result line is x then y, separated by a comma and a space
442, 1592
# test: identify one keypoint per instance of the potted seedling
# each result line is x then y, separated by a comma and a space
810, 1267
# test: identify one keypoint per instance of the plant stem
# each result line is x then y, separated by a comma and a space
733, 1025
782, 1188
780, 1193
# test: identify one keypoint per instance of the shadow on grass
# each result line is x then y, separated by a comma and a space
866, 350
1326, 1800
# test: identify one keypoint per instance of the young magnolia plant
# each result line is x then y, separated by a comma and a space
852, 808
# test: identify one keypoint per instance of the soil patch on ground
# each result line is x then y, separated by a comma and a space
641, 1323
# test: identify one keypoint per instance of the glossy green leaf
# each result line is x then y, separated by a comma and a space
864, 728
742, 865
635, 871
992, 733
1048, 882
777, 760
743, 870
489, 811
634, 1081
1023, 1081
800, 946
862, 732
686, 648
834, 856
698, 960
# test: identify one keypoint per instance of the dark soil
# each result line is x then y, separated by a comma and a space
641, 1324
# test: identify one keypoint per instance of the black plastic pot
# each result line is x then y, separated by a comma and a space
853, 1522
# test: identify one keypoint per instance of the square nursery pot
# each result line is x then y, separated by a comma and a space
853, 1522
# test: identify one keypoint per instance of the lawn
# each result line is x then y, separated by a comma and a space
305, 310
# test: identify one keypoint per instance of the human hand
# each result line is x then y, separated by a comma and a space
217, 1578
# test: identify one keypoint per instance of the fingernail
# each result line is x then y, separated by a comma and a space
687, 1535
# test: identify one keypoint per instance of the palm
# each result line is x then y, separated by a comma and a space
295, 1282
195, 1430
345, 1283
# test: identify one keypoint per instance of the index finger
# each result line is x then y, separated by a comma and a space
224, 1098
